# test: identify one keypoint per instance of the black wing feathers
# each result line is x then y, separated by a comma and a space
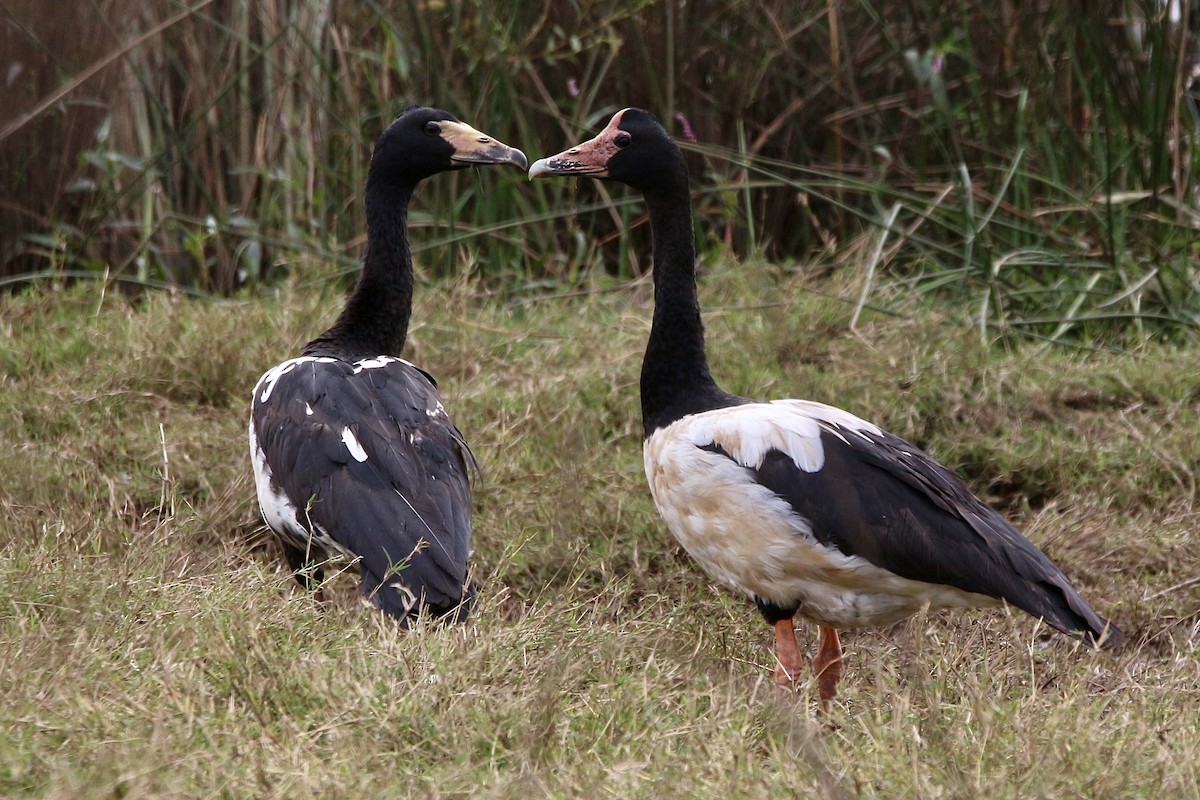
401, 500
882, 499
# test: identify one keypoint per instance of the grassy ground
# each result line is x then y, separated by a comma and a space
151, 646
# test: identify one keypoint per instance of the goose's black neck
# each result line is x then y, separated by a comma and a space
375, 319
675, 377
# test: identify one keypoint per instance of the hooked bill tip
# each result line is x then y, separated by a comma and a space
518, 158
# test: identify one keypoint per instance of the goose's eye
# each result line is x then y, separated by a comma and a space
623, 139
432, 128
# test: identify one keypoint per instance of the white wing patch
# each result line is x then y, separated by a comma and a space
793, 427
277, 510
280, 513
352, 444
374, 363
267, 382
834, 420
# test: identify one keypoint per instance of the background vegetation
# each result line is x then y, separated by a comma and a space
873, 181
1034, 160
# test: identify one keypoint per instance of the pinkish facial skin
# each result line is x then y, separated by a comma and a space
589, 158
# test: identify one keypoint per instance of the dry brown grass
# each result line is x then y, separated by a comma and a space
153, 647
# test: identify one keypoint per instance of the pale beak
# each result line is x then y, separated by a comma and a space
474, 147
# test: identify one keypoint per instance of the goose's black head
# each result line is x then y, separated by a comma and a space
425, 141
633, 149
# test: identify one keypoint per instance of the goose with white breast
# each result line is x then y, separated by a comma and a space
808, 510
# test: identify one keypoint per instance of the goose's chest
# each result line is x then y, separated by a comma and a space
739, 531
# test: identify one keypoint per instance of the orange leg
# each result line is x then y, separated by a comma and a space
828, 664
789, 661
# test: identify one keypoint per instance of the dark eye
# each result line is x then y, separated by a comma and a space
432, 128
622, 139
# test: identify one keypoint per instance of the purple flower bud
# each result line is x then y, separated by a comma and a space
686, 126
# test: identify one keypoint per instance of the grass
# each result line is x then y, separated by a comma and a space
153, 647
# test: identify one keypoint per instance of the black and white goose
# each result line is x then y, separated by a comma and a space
353, 453
805, 508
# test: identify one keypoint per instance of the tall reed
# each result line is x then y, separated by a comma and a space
1035, 160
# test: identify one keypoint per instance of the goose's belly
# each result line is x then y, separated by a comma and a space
752, 540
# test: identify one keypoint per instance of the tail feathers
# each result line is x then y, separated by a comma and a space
1062, 608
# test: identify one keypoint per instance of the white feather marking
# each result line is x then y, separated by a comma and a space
280, 513
308, 410
277, 510
438, 410
267, 382
747, 433
373, 363
351, 442
793, 427
832, 419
